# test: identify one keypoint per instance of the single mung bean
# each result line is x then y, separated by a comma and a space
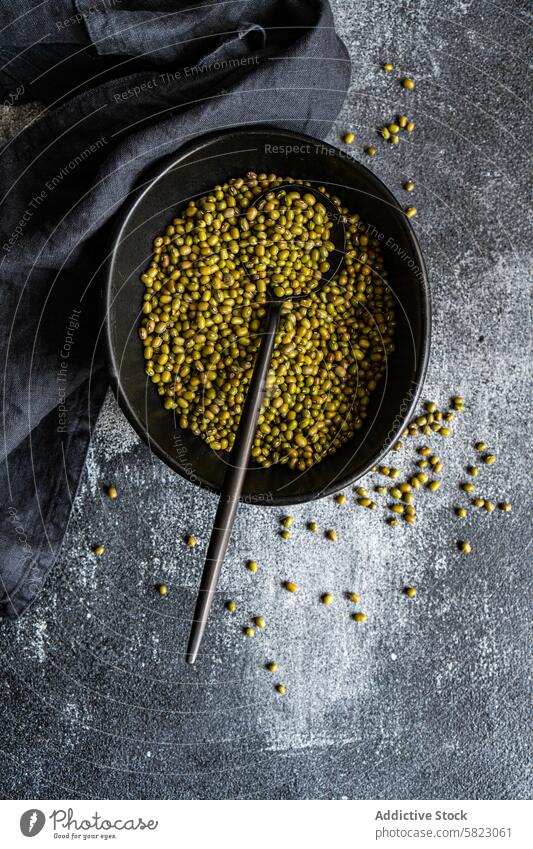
410, 126
285, 534
312, 526
371, 151
112, 491
290, 587
478, 502
260, 622
505, 506
489, 506
340, 499
388, 66
162, 589
349, 138
460, 512
465, 547
252, 566
467, 487
411, 211
480, 446
326, 599
249, 632
410, 592
287, 522
354, 597
98, 550
433, 486
190, 540
472, 470
231, 606
408, 83
281, 689
489, 459
359, 617
331, 535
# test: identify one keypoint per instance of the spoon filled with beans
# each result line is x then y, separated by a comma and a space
291, 242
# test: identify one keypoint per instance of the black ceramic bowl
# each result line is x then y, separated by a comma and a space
196, 169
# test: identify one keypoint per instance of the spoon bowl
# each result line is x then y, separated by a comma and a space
337, 236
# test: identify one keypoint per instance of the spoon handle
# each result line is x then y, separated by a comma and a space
233, 482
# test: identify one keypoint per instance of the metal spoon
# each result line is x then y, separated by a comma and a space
240, 453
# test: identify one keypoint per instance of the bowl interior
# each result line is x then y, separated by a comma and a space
196, 169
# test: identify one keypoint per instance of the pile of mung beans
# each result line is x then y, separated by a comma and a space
205, 302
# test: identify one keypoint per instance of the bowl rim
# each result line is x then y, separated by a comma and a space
146, 183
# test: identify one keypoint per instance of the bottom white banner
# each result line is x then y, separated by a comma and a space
309, 823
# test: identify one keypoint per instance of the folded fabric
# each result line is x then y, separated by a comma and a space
121, 84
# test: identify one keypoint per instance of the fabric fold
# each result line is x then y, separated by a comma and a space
124, 84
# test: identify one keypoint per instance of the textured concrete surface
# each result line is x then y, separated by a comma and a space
427, 699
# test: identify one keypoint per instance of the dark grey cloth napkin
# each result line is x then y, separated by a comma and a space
122, 84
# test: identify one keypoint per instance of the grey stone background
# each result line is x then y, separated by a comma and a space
427, 699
